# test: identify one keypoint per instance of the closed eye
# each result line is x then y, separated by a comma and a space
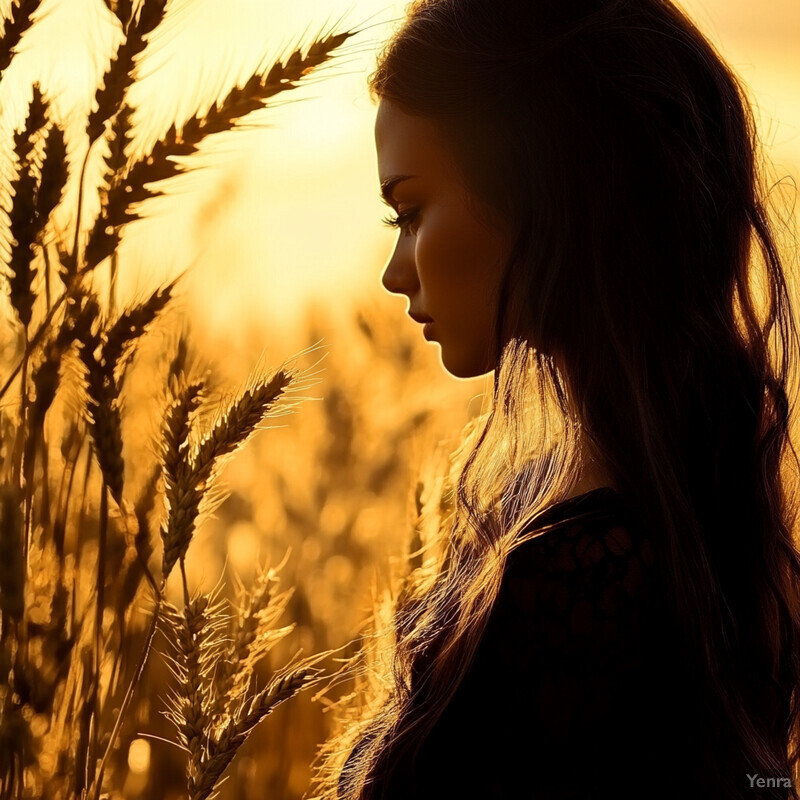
403, 221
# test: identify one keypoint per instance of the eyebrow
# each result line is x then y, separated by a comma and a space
388, 185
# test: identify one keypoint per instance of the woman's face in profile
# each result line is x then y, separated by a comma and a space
451, 248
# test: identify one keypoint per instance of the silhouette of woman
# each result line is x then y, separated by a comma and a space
581, 209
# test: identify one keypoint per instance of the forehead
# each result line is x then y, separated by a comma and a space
409, 144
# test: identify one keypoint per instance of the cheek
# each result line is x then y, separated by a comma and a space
438, 252
454, 257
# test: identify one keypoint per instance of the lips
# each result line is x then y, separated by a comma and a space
421, 318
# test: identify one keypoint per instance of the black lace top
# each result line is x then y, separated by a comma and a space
576, 690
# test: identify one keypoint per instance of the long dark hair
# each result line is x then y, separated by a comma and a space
640, 304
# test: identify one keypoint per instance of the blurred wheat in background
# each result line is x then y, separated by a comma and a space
114, 428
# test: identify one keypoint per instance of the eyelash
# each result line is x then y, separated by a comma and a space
402, 221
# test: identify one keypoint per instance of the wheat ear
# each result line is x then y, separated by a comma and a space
36, 192
120, 73
251, 637
160, 163
78, 318
188, 473
221, 751
53, 174
110, 98
103, 413
101, 354
23, 222
25, 139
196, 635
131, 324
19, 20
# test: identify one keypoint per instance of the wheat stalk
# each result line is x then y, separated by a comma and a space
36, 191
120, 74
252, 635
131, 324
25, 139
220, 752
103, 412
12, 566
196, 635
158, 165
102, 356
212, 731
81, 312
63, 661
212, 734
23, 227
53, 175
111, 105
188, 473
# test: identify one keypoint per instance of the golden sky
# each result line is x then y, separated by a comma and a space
288, 208
313, 178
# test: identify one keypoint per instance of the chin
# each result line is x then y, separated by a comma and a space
463, 367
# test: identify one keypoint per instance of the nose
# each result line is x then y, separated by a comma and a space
400, 272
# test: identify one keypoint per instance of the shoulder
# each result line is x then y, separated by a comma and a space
589, 534
577, 623
585, 585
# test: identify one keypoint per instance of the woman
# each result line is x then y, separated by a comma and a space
618, 610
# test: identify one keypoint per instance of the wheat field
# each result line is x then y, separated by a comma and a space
152, 614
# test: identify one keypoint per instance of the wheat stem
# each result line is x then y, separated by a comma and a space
186, 598
84, 495
100, 598
45, 484
12, 566
126, 701
24, 432
47, 269
112, 282
72, 265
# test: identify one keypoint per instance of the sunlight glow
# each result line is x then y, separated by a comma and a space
283, 209
139, 756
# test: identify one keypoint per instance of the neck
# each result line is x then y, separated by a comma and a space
594, 472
